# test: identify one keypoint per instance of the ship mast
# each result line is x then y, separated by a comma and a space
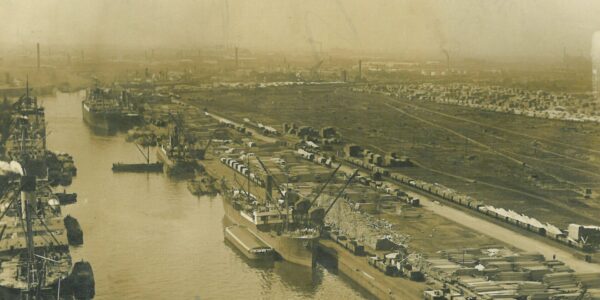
27, 200
248, 163
28, 186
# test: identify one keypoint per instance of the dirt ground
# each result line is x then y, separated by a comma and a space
429, 233
537, 167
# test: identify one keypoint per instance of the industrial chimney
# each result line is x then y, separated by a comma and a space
236, 57
38, 56
359, 70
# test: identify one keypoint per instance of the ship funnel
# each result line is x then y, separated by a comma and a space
28, 186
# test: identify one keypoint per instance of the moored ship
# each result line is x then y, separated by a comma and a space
296, 246
107, 111
27, 135
280, 224
35, 261
34, 250
176, 154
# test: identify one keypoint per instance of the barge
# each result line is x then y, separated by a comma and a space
252, 246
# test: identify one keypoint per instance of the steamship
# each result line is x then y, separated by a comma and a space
27, 135
106, 112
293, 242
288, 225
177, 155
34, 240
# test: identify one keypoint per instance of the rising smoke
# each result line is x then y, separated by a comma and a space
13, 167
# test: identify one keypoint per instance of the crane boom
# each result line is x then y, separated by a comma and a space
207, 145
325, 185
262, 165
340, 193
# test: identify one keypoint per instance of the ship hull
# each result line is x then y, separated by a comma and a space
15, 294
173, 167
300, 251
108, 122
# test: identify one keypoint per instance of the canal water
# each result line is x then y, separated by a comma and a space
147, 237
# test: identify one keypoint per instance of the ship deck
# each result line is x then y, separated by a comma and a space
218, 171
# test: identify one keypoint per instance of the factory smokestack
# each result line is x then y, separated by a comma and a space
236, 57
38, 56
359, 69
447, 60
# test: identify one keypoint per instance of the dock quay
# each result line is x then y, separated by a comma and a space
393, 231
357, 269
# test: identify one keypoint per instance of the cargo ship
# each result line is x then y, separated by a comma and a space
27, 135
277, 224
26, 143
34, 240
34, 248
107, 112
176, 154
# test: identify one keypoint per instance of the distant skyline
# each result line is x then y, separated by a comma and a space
465, 28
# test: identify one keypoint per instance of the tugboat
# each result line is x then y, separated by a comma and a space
106, 112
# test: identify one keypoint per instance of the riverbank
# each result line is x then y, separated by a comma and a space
152, 222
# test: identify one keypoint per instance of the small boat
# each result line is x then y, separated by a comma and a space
74, 232
65, 198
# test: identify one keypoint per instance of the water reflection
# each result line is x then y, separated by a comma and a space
147, 237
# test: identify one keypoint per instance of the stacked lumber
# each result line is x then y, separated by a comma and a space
560, 280
589, 280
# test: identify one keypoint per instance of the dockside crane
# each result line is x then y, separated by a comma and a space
269, 196
202, 153
340, 193
325, 185
262, 165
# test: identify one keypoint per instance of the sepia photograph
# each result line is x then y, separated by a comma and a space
287, 149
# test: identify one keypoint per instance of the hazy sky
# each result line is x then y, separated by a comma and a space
463, 27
